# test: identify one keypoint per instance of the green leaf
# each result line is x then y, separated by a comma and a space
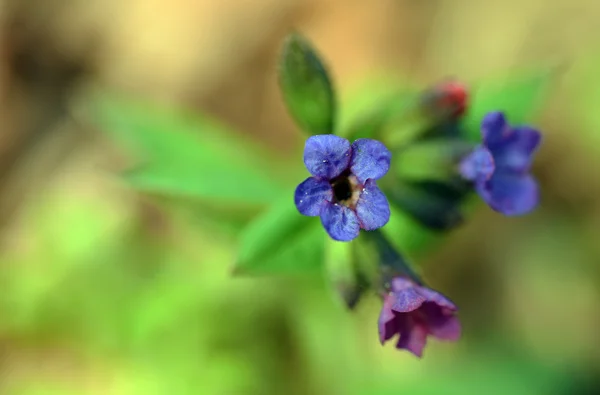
367, 96
396, 116
435, 159
369, 108
282, 241
518, 95
388, 121
188, 154
306, 86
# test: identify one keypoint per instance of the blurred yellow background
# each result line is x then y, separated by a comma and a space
105, 290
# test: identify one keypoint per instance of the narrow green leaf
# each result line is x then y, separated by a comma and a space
306, 86
188, 154
282, 241
518, 95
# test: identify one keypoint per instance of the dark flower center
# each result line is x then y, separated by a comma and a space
341, 189
346, 189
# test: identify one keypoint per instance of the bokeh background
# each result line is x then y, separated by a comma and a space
108, 290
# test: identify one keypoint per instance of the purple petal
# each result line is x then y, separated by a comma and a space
327, 155
494, 129
370, 159
402, 283
372, 207
312, 195
407, 300
413, 337
527, 138
441, 322
510, 194
437, 298
340, 222
478, 165
516, 151
388, 325
447, 329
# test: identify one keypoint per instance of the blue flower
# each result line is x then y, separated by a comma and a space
500, 166
343, 191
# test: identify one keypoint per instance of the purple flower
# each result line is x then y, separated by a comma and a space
414, 312
343, 191
500, 166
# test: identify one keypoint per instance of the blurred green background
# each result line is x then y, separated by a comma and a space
107, 289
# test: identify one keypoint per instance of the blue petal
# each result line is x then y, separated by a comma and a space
478, 165
312, 195
510, 194
494, 129
516, 151
372, 208
370, 159
326, 155
340, 222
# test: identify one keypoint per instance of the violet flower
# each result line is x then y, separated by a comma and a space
415, 312
500, 166
342, 190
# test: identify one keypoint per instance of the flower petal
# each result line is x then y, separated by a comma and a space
413, 337
515, 153
402, 283
327, 155
510, 194
437, 298
370, 159
407, 297
440, 321
447, 328
340, 222
312, 195
478, 165
494, 129
372, 208
388, 325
